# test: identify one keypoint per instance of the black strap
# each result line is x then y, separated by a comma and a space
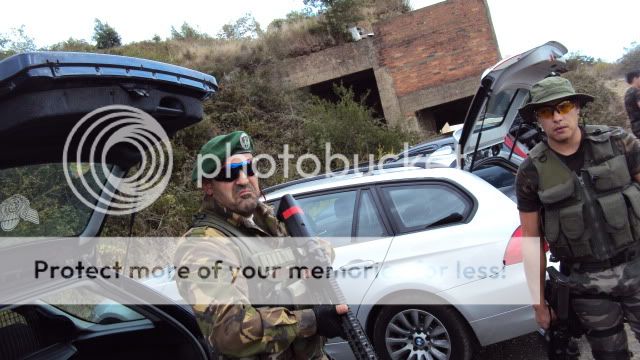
607, 332
598, 296
619, 259
612, 355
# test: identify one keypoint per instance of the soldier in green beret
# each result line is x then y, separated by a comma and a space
235, 229
579, 190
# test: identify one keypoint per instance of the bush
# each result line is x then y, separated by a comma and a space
296, 38
350, 127
338, 15
607, 108
630, 61
73, 45
186, 32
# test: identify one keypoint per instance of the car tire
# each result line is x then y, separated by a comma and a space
446, 333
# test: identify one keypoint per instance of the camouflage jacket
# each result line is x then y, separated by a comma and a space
234, 328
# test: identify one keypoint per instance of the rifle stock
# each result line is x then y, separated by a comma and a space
293, 217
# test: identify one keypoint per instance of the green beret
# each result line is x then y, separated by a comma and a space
238, 142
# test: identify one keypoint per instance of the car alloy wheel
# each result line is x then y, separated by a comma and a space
417, 334
422, 332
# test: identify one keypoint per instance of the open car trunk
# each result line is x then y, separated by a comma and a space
504, 88
45, 97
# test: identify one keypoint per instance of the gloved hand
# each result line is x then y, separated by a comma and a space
328, 321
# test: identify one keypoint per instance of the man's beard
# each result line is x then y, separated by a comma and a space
245, 204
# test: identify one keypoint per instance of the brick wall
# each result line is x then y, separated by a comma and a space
439, 44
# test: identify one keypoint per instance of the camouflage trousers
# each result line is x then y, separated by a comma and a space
602, 301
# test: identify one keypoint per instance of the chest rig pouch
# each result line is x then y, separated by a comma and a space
593, 216
256, 252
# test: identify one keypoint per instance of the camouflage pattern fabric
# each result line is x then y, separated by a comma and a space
238, 330
602, 317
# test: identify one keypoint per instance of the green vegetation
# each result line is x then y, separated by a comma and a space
631, 59
338, 16
15, 42
245, 27
245, 61
105, 36
186, 32
598, 78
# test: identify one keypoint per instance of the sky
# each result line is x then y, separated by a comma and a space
597, 28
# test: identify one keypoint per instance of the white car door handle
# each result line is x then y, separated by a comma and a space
358, 264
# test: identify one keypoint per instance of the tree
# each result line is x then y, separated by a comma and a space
245, 27
187, 32
105, 36
16, 42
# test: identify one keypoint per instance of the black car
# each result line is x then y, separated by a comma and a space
424, 149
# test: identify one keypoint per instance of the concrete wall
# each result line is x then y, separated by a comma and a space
420, 59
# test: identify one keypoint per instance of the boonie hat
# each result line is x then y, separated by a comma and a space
551, 89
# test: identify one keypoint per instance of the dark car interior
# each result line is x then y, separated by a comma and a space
35, 332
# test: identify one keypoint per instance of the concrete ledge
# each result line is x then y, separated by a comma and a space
430, 97
329, 64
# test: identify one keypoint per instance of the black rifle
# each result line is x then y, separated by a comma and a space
293, 217
561, 345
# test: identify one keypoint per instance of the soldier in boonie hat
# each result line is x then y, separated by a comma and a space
581, 184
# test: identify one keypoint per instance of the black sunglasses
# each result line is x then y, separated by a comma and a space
232, 171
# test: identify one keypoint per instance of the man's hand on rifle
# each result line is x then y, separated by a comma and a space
544, 315
328, 322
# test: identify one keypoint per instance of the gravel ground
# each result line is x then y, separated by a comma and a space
532, 347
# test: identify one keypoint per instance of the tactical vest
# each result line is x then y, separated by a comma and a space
595, 216
256, 252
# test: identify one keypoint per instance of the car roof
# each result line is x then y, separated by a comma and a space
363, 178
442, 141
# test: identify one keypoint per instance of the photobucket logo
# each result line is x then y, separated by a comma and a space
119, 131
308, 165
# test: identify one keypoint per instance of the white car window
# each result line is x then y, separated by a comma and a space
497, 108
331, 215
418, 206
369, 223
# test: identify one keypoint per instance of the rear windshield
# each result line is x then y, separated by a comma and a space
36, 200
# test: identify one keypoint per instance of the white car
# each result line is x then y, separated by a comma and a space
440, 246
